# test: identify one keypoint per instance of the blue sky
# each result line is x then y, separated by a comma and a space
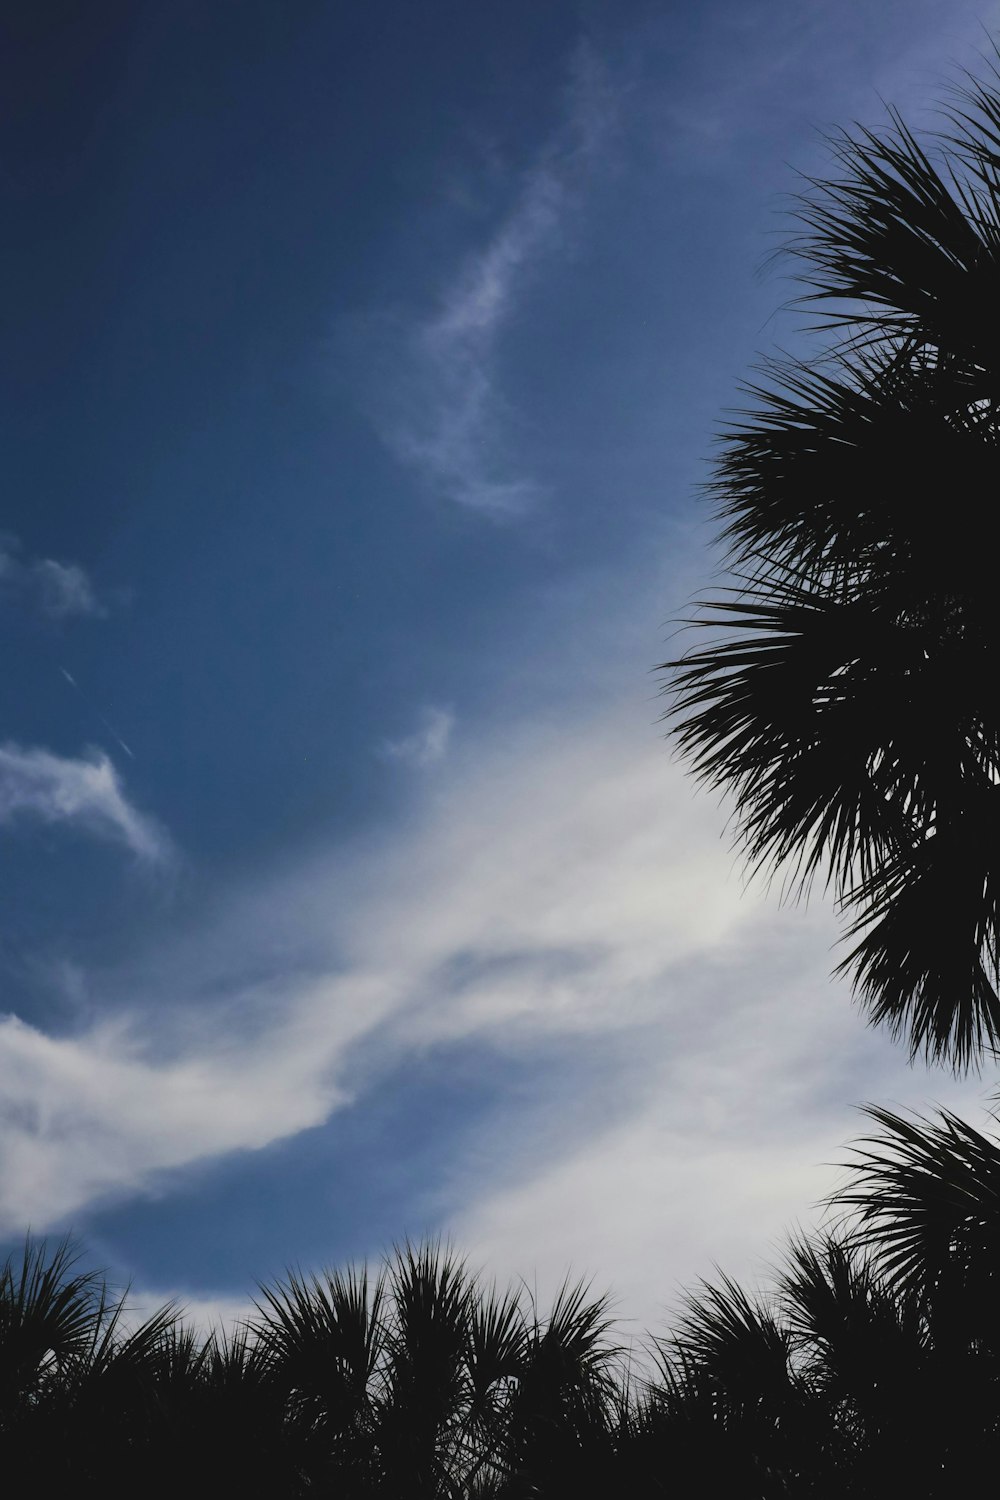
360, 368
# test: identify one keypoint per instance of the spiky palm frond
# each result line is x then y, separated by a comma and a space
910, 243
423, 1411
243, 1421
789, 715
846, 694
47, 1314
733, 1392
322, 1337
498, 1335
926, 1200
321, 1342
924, 1211
736, 1345
842, 465
864, 1352
79, 1372
562, 1411
928, 924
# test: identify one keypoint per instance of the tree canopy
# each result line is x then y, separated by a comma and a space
847, 695
870, 1366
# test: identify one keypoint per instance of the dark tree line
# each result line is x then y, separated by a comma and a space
871, 1367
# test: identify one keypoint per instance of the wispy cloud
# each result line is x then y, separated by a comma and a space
439, 405
64, 589
428, 743
84, 793
83, 1117
562, 895
60, 590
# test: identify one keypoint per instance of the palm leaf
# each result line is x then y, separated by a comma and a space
845, 696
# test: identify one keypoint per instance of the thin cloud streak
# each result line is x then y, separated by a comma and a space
84, 793
99, 716
439, 404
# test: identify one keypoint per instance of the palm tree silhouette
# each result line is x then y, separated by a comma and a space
870, 1367
847, 697
425, 1382
417, 1381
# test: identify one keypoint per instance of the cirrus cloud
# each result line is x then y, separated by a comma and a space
83, 792
60, 590
434, 391
427, 744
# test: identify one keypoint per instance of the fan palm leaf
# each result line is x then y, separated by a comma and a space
845, 695
47, 1317
925, 1197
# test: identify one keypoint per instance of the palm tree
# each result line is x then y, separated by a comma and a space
71, 1372
419, 1381
427, 1383
565, 1403
873, 1366
847, 696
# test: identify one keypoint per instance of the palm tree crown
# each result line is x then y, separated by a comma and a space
848, 694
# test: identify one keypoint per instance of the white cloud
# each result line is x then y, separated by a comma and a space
60, 590
438, 404
85, 793
562, 895
429, 742
206, 1314
82, 1117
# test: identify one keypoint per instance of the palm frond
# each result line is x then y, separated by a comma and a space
736, 1345
854, 1335
905, 244
793, 716
845, 697
927, 963
47, 1315
323, 1337
925, 1198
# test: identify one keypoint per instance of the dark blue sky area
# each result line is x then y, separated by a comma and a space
198, 199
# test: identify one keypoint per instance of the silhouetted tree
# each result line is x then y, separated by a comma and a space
872, 1367
847, 697
419, 1382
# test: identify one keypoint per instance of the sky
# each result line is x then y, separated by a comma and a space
361, 367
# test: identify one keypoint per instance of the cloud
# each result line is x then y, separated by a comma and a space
60, 590
84, 793
437, 400
520, 905
562, 898
206, 1314
82, 1117
429, 742
64, 589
